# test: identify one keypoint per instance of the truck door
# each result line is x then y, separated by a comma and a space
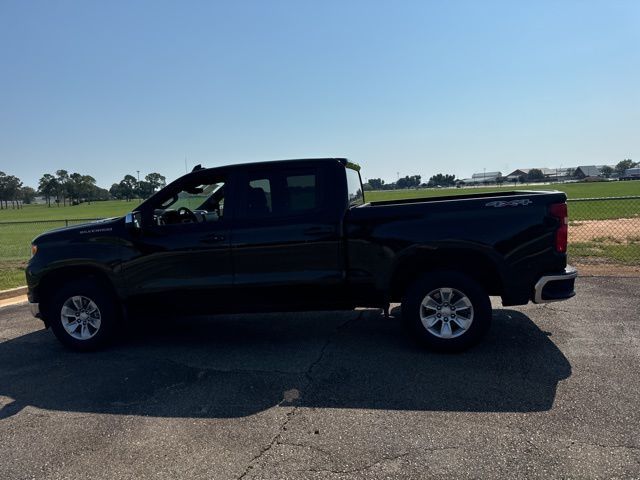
286, 241
183, 253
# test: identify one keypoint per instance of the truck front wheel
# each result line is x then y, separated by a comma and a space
83, 314
446, 311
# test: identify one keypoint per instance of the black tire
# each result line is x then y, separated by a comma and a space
460, 338
108, 310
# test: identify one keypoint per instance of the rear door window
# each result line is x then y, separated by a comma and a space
259, 197
280, 194
301, 193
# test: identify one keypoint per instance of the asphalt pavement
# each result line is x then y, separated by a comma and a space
551, 392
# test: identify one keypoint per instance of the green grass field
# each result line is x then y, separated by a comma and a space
597, 210
573, 190
609, 250
15, 239
111, 208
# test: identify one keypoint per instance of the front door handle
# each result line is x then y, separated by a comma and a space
319, 230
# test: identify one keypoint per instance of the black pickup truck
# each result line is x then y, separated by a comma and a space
298, 235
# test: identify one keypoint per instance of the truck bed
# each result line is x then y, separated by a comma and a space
469, 196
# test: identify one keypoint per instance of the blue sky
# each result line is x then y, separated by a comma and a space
415, 87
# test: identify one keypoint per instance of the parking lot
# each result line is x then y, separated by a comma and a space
552, 391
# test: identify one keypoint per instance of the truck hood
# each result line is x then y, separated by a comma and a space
91, 229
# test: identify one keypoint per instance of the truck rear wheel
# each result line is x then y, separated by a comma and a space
447, 311
83, 314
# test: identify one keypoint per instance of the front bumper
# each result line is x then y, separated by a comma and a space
555, 287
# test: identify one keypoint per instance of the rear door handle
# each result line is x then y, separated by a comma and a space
215, 239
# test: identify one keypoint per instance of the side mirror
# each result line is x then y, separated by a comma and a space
133, 220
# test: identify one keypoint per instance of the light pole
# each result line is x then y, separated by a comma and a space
139, 196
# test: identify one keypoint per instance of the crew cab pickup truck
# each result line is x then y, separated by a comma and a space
298, 235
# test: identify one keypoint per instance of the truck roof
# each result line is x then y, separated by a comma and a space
343, 161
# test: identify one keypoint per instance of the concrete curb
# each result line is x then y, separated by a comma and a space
13, 292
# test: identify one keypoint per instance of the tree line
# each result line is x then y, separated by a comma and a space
129, 187
13, 191
448, 180
411, 181
63, 188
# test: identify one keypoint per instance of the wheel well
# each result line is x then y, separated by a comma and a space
476, 265
48, 283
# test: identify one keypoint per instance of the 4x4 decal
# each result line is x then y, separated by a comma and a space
511, 203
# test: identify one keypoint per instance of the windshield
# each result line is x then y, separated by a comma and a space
193, 203
196, 198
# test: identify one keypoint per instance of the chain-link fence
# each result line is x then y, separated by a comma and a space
604, 238
15, 246
604, 234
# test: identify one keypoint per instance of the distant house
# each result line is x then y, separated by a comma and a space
585, 171
551, 174
482, 177
516, 174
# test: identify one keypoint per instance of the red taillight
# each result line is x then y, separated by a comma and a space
559, 211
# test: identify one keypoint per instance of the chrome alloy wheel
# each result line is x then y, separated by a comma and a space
446, 312
80, 317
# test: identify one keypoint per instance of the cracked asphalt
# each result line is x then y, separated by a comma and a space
552, 392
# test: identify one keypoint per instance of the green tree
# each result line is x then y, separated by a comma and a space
606, 171
27, 195
48, 186
74, 187
156, 181
62, 178
9, 190
376, 183
408, 181
445, 180
144, 189
3, 188
128, 186
624, 165
116, 192
535, 175
88, 187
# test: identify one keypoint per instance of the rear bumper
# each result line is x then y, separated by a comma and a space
555, 287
